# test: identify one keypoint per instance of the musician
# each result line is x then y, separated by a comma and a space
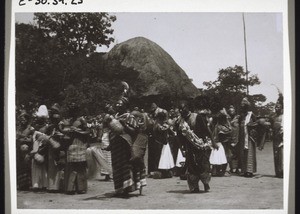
75, 128
55, 157
193, 128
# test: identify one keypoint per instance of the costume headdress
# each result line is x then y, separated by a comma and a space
280, 96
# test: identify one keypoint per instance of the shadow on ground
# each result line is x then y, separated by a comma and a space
108, 195
185, 192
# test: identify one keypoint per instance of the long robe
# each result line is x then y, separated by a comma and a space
235, 145
39, 170
107, 154
250, 133
120, 147
23, 163
55, 172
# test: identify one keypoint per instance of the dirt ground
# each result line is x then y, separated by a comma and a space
263, 191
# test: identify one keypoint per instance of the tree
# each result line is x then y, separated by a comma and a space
230, 88
38, 65
92, 94
266, 110
54, 52
77, 32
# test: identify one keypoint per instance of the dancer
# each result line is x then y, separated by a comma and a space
198, 139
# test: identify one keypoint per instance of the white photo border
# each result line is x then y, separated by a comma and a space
280, 6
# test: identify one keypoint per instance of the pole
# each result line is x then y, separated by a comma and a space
245, 43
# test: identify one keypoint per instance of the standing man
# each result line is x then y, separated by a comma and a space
197, 137
234, 164
250, 136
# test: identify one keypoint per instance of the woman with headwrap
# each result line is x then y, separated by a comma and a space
39, 150
24, 146
222, 135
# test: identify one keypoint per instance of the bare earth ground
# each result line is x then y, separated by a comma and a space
264, 191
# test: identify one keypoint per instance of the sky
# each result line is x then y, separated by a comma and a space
203, 43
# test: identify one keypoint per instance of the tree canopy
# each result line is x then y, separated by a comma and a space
230, 88
55, 51
77, 32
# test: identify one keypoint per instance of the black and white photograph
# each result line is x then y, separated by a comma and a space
149, 111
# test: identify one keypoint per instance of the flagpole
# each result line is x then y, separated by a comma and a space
245, 44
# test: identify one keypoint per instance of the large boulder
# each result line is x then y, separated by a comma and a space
149, 70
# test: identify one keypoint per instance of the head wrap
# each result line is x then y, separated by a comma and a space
280, 99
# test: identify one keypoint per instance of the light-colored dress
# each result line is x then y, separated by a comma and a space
166, 159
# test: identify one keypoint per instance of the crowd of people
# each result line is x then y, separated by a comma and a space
58, 153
